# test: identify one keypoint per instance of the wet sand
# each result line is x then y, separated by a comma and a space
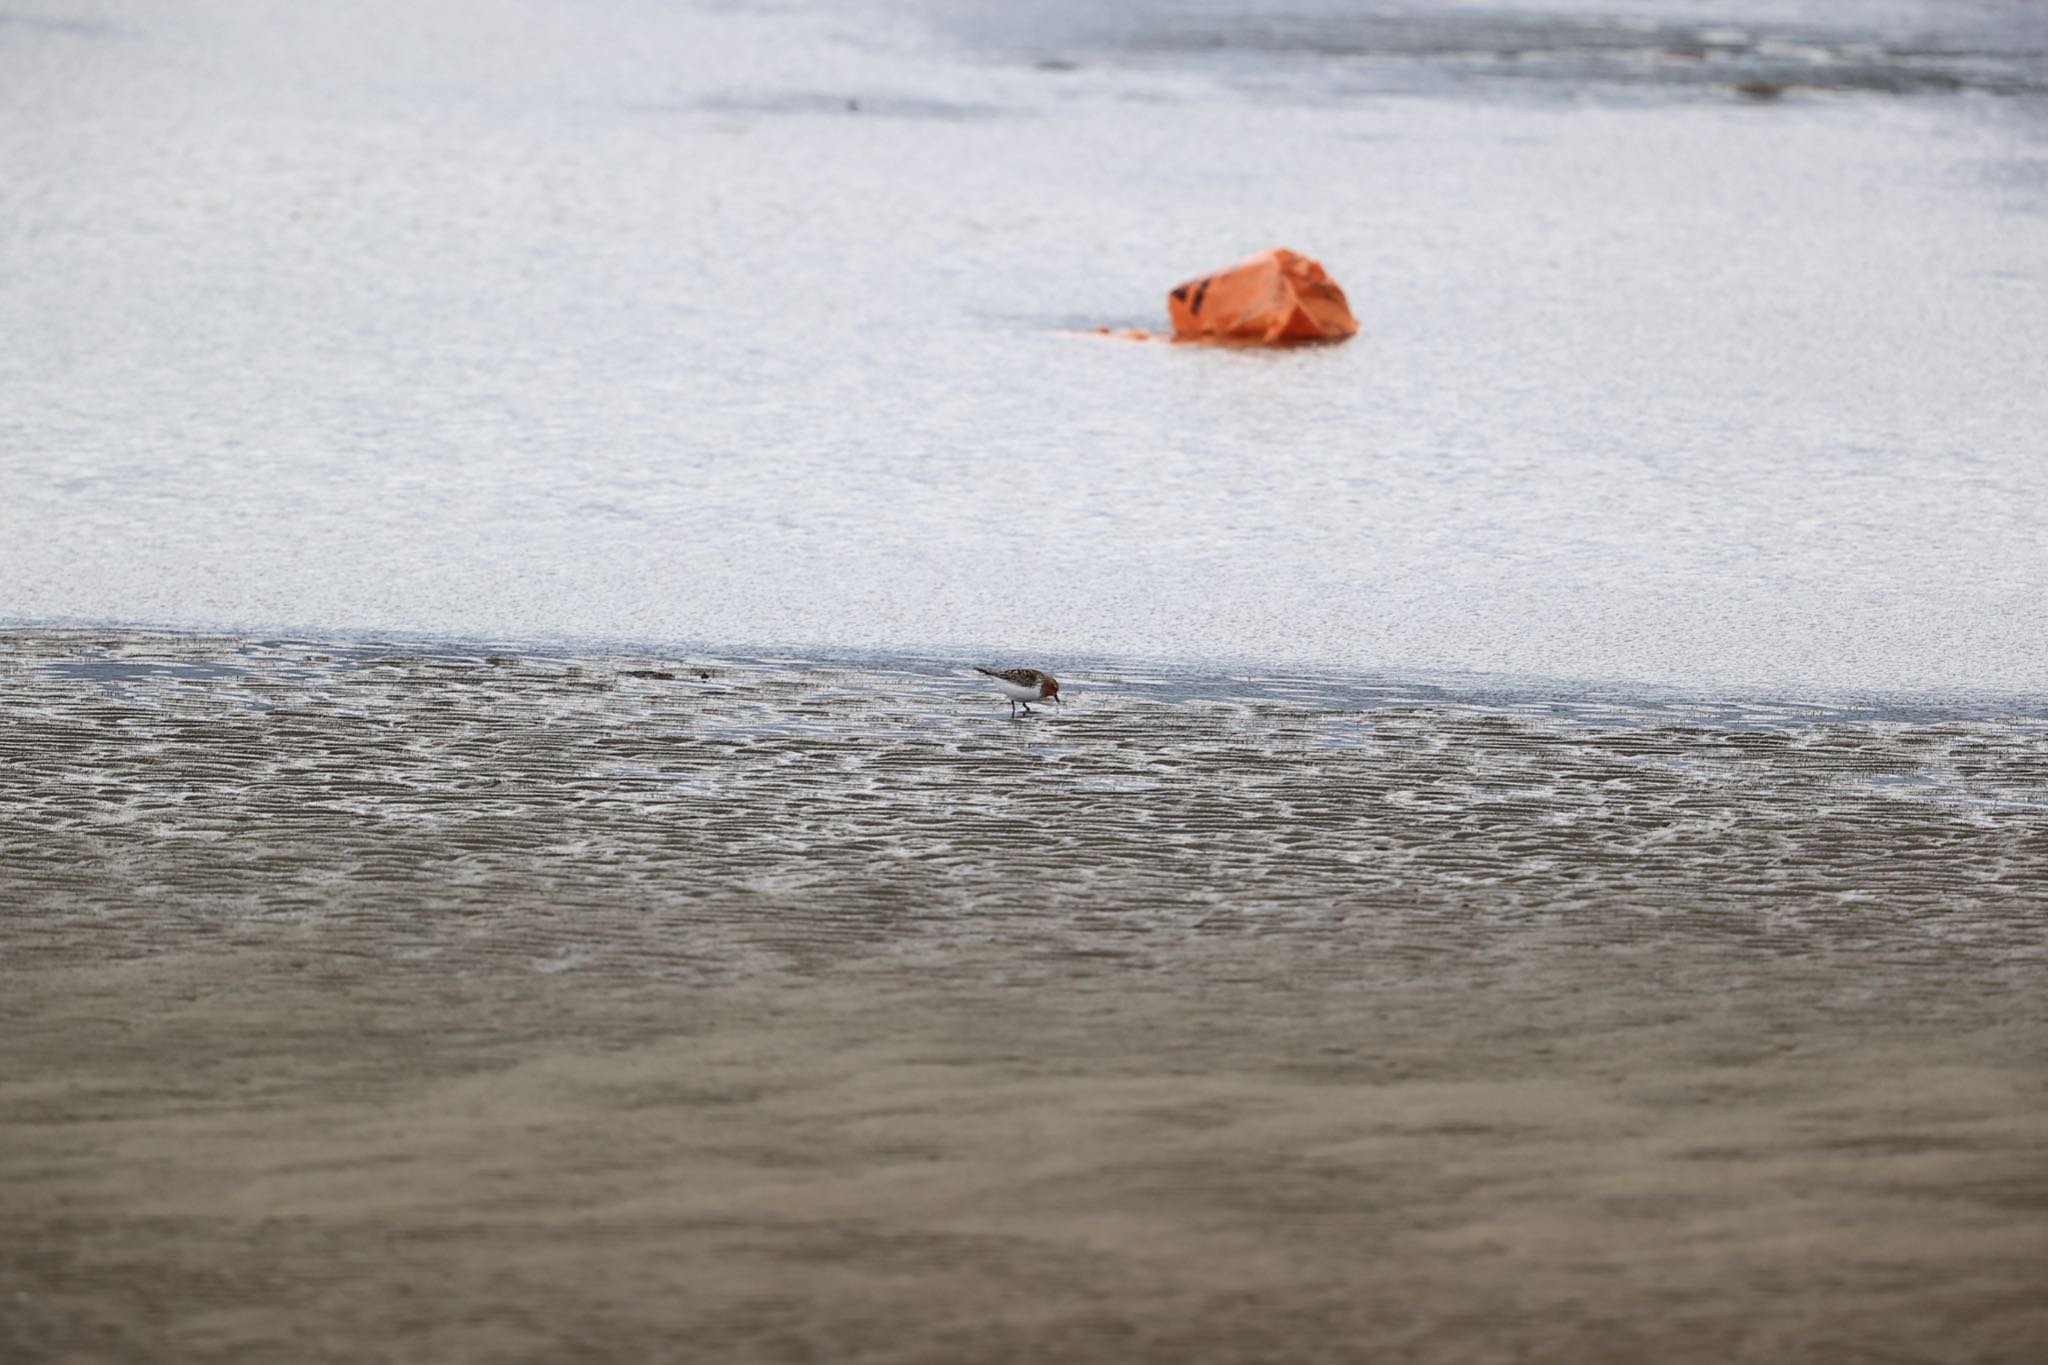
361, 1004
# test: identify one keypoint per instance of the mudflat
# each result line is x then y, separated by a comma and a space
365, 1004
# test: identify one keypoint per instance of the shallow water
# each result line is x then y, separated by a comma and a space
500, 795
739, 327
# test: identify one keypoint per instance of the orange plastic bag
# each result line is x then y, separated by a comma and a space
1276, 298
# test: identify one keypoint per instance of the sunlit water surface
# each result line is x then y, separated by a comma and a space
1693, 352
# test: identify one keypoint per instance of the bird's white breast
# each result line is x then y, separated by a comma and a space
1016, 691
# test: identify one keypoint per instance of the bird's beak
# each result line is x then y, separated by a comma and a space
1058, 698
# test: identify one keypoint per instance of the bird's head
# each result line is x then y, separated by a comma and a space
1050, 688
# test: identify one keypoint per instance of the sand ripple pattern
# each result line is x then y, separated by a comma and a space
697, 816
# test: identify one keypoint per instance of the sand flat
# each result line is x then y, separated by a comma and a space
360, 1004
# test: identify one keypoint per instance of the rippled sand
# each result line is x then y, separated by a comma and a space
359, 1004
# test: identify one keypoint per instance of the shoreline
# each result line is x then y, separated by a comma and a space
1248, 679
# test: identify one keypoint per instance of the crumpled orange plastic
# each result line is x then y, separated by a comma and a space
1276, 298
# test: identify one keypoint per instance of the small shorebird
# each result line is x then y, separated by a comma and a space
1024, 686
